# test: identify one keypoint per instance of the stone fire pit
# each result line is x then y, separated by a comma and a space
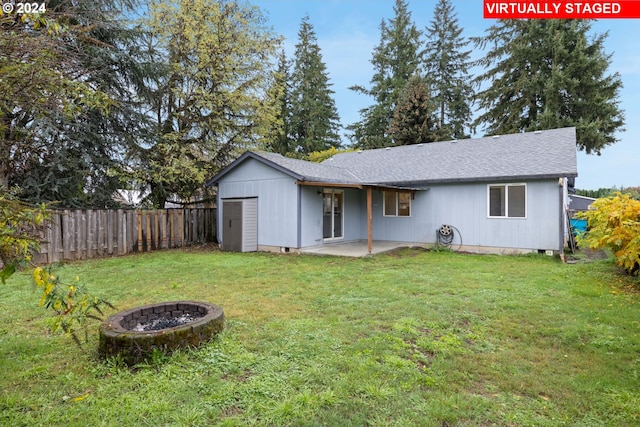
136, 333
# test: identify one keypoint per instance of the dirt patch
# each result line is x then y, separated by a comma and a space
586, 255
406, 251
202, 247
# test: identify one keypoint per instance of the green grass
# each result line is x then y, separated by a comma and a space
409, 338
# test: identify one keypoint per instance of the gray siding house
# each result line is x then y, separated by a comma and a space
500, 194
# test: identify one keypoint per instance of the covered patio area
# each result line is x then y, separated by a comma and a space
357, 249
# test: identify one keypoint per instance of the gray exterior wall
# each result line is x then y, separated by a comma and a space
290, 215
277, 195
311, 216
311, 209
465, 207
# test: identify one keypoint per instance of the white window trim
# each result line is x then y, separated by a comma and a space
506, 200
384, 205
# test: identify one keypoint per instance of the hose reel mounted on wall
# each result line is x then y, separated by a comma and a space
445, 235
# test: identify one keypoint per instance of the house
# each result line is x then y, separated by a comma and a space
498, 194
579, 203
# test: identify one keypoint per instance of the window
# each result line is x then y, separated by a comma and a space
397, 203
508, 201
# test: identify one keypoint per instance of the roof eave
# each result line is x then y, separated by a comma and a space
418, 183
360, 186
250, 154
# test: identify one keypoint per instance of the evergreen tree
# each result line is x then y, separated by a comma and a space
62, 137
278, 139
395, 60
314, 118
447, 65
413, 120
211, 101
547, 74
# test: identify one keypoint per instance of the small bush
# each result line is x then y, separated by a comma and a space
614, 223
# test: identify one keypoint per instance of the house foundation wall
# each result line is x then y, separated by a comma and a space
278, 249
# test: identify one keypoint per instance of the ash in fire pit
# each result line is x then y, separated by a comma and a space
164, 323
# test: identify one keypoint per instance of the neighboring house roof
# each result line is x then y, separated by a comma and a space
580, 203
531, 155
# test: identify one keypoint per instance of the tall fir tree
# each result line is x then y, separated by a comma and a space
212, 102
547, 74
278, 139
395, 59
447, 63
413, 119
314, 117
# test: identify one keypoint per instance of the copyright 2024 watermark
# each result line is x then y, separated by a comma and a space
22, 8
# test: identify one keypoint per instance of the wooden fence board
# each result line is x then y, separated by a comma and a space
81, 234
153, 236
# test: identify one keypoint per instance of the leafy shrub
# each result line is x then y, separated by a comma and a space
20, 226
614, 223
72, 304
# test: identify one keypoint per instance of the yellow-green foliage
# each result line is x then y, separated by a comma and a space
614, 223
321, 156
19, 232
20, 224
72, 304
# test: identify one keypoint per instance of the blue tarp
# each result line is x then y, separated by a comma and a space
578, 225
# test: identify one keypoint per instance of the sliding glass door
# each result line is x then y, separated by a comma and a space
333, 215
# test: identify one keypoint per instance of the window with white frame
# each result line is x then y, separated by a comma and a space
507, 200
397, 203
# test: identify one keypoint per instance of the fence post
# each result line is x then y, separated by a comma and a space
56, 237
91, 227
180, 228
153, 231
133, 221
139, 222
99, 233
161, 229
143, 226
121, 224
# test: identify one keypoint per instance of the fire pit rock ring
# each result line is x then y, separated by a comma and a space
134, 334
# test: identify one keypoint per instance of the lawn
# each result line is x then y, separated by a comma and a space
408, 338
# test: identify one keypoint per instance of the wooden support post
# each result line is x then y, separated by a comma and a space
369, 221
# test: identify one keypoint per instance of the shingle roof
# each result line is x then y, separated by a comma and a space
531, 155
580, 203
301, 170
311, 171
541, 154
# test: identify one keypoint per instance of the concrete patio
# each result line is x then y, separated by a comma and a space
356, 248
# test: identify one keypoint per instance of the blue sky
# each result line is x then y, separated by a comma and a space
348, 30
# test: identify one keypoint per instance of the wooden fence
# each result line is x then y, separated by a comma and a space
88, 233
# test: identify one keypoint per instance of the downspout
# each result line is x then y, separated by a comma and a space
561, 184
299, 215
218, 215
369, 221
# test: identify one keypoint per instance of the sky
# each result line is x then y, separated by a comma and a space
348, 30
